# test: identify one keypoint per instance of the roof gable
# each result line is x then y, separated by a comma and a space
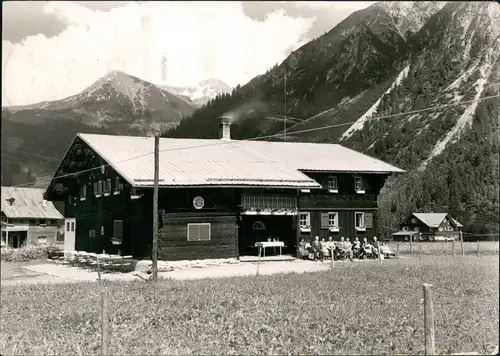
214, 162
27, 203
431, 219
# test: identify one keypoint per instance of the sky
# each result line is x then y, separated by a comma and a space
51, 50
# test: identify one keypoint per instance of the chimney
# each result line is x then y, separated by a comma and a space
225, 128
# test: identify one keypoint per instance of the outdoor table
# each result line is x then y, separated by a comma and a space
263, 244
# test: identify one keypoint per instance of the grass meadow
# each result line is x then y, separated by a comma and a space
356, 308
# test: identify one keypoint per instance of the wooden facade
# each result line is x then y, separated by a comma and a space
106, 206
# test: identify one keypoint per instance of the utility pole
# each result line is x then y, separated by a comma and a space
284, 138
155, 210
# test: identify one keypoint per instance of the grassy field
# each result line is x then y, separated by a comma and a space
446, 248
359, 308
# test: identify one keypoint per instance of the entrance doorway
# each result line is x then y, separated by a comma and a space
69, 234
257, 228
16, 239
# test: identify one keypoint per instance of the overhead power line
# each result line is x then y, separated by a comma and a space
223, 142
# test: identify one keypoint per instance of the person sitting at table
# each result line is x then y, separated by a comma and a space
302, 249
367, 248
330, 244
317, 248
324, 248
341, 248
348, 249
356, 247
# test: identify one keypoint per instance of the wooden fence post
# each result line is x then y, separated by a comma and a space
98, 269
379, 254
258, 261
397, 250
411, 244
104, 321
331, 251
478, 249
462, 248
429, 326
453, 249
420, 255
442, 248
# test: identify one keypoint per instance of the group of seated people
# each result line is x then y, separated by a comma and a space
343, 249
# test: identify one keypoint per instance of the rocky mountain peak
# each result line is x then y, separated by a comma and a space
409, 16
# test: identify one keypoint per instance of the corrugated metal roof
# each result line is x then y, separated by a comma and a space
216, 162
431, 219
28, 203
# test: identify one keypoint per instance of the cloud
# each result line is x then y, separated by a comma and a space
199, 40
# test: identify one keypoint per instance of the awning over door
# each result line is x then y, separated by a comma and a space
268, 205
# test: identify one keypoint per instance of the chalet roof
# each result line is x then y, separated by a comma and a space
27, 203
216, 162
457, 223
431, 219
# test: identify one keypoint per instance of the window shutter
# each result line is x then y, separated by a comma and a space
369, 220
118, 228
324, 221
204, 231
193, 232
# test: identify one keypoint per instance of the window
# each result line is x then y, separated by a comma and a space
333, 184
416, 229
258, 225
198, 232
42, 240
333, 221
72, 226
83, 192
358, 185
360, 221
98, 188
134, 194
305, 222
440, 229
118, 185
118, 228
107, 186
405, 228
431, 229
91, 233
42, 222
67, 226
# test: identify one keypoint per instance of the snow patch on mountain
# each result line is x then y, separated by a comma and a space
201, 92
358, 125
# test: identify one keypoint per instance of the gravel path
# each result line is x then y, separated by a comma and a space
57, 273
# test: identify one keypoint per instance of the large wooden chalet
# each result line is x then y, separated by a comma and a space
216, 197
428, 227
